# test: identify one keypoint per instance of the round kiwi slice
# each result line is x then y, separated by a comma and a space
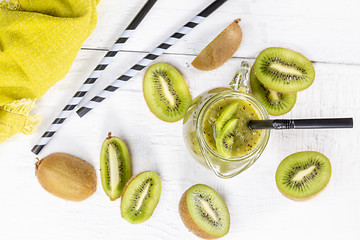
166, 92
276, 103
225, 140
204, 212
225, 116
284, 70
140, 197
303, 175
115, 166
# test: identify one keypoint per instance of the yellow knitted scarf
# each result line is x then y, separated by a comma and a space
39, 40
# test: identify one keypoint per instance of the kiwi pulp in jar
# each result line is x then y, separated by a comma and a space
222, 135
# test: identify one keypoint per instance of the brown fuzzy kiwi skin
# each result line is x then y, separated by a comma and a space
221, 49
303, 199
66, 176
189, 222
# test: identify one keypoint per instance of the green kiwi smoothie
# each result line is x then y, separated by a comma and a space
225, 127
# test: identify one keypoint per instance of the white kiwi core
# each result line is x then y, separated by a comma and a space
301, 174
166, 90
114, 170
286, 69
142, 197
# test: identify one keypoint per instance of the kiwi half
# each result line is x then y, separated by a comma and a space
225, 140
221, 49
276, 103
204, 212
140, 197
66, 176
284, 70
166, 92
303, 175
115, 166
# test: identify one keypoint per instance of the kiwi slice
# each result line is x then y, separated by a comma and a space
284, 70
303, 175
225, 140
221, 49
225, 116
276, 103
204, 212
115, 166
166, 92
140, 197
219, 90
66, 176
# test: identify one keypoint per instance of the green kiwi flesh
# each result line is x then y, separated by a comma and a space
115, 166
219, 90
225, 140
140, 197
166, 92
284, 70
204, 212
276, 103
225, 116
303, 175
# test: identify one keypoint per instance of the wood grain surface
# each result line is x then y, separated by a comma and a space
327, 32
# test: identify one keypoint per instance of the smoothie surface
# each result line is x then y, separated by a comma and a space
241, 140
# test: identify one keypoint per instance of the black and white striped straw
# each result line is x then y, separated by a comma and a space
159, 50
86, 86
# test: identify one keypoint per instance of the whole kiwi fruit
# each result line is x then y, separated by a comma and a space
303, 175
166, 92
115, 166
204, 212
284, 70
66, 176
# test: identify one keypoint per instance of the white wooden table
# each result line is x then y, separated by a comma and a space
327, 32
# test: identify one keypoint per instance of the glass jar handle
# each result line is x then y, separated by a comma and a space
240, 81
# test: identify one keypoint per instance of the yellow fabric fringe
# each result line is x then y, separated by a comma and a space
39, 40
14, 118
10, 4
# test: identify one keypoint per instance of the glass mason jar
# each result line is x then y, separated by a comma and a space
193, 129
